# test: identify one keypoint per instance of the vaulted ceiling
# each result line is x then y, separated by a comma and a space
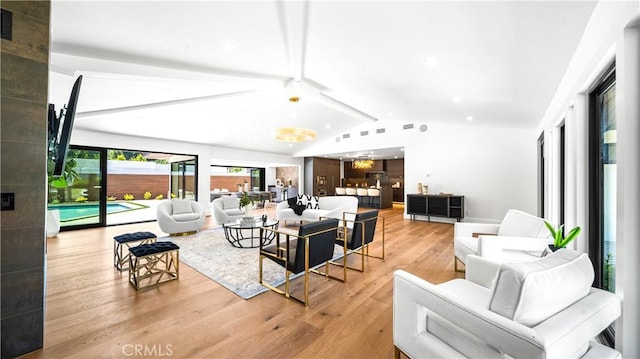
221, 73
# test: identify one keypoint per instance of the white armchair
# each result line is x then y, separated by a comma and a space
226, 209
542, 309
520, 237
180, 216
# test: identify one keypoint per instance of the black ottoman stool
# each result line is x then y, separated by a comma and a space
128, 240
153, 263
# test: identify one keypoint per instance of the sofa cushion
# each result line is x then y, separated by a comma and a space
316, 213
520, 224
531, 292
229, 202
179, 206
185, 217
233, 211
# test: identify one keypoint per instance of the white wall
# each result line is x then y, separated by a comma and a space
494, 168
604, 40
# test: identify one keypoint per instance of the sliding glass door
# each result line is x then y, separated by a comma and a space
183, 179
78, 195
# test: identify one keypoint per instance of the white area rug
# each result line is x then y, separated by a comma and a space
236, 269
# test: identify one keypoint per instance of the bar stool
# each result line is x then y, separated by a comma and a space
363, 196
340, 191
374, 197
350, 191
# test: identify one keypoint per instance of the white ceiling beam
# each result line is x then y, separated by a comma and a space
294, 21
72, 63
147, 106
345, 108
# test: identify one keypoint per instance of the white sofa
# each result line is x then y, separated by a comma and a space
328, 206
226, 209
180, 216
541, 309
519, 237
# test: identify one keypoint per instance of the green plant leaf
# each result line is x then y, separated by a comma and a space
570, 236
550, 228
59, 182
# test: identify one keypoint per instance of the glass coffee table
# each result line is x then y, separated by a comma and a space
245, 233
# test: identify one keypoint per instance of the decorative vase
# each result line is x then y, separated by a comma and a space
246, 187
553, 248
240, 188
248, 211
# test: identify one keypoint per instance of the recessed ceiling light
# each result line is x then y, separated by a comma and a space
402, 149
228, 46
390, 114
291, 145
430, 61
396, 157
456, 99
328, 125
469, 118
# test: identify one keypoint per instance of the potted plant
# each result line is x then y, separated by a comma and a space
57, 184
558, 240
246, 204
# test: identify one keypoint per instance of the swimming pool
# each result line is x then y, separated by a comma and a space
70, 212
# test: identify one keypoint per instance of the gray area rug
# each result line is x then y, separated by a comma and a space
236, 269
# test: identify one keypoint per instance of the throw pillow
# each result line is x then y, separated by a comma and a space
180, 206
297, 208
229, 202
531, 292
312, 202
302, 200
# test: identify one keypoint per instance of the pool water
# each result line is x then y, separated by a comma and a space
76, 211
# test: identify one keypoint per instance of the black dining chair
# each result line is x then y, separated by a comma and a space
301, 253
357, 234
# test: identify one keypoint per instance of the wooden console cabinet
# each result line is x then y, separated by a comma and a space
435, 205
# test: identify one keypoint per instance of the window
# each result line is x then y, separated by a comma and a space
602, 184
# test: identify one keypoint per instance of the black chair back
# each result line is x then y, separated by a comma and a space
322, 235
364, 221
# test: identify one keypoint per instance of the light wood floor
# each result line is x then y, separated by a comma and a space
92, 311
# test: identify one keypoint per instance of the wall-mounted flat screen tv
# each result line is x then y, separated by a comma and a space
60, 127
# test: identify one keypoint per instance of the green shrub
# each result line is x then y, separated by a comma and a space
159, 196
81, 199
128, 197
147, 195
